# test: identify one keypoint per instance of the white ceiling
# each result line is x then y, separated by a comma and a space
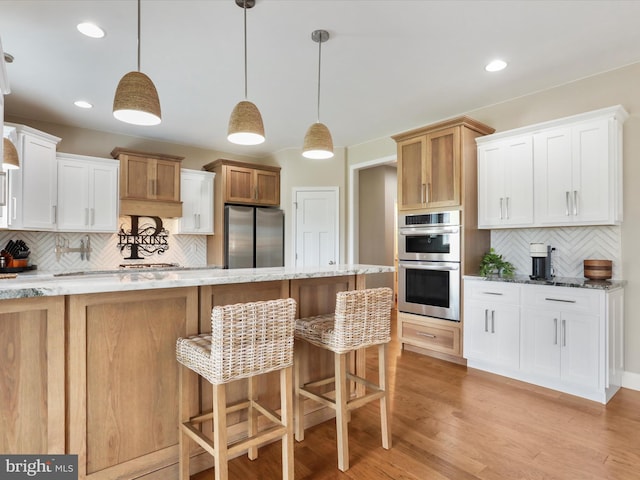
389, 66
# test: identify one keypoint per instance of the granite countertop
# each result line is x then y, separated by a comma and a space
40, 284
556, 281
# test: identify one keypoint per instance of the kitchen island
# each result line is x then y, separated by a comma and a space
88, 360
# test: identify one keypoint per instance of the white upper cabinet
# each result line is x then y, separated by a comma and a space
196, 189
33, 191
575, 164
87, 194
578, 174
505, 183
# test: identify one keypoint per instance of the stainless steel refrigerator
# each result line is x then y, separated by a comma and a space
253, 237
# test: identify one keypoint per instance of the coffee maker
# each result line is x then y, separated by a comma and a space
540, 261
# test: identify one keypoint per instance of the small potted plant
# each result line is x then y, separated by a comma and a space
493, 264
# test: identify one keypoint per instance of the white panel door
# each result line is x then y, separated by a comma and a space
316, 228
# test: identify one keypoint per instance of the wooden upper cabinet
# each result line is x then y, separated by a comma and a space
149, 183
430, 164
411, 173
248, 184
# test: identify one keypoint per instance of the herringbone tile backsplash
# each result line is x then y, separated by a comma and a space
185, 250
572, 244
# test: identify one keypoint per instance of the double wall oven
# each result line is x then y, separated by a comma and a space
429, 264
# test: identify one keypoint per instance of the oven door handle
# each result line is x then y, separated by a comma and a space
431, 267
408, 231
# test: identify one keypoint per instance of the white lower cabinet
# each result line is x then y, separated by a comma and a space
568, 339
492, 325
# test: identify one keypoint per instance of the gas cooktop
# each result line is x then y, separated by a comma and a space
148, 265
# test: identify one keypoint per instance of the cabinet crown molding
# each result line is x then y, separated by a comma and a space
223, 161
452, 122
116, 152
616, 111
33, 131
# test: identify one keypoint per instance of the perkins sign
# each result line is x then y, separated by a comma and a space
51, 467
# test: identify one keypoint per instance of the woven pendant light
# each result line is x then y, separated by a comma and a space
10, 158
245, 123
136, 100
318, 143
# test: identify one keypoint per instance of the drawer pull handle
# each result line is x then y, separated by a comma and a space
492, 293
422, 334
560, 300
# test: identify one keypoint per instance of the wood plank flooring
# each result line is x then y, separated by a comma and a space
454, 423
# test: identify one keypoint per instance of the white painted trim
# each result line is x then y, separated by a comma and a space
294, 194
4, 78
631, 380
353, 207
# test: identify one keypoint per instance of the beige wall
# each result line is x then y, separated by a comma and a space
377, 192
298, 171
620, 86
81, 141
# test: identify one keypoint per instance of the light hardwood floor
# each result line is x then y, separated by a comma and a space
450, 422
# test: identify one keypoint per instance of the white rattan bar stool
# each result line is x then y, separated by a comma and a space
246, 340
362, 318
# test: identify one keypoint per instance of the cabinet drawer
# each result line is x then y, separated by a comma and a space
563, 298
433, 337
494, 292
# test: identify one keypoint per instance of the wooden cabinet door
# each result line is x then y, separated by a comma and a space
32, 369
166, 180
267, 186
239, 184
411, 184
123, 379
443, 168
135, 178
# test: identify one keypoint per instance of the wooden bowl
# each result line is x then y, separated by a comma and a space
598, 269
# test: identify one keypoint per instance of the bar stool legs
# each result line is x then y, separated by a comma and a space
246, 341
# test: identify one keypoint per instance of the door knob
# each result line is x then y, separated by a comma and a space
331, 262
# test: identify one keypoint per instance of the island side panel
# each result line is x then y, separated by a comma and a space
123, 379
32, 391
317, 296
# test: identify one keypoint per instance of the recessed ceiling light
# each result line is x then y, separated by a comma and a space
82, 104
495, 66
90, 30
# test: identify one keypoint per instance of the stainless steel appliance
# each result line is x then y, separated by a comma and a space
429, 236
429, 264
253, 237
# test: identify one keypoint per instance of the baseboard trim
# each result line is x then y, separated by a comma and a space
631, 380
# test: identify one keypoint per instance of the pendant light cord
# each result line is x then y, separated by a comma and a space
244, 7
138, 35
319, 65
